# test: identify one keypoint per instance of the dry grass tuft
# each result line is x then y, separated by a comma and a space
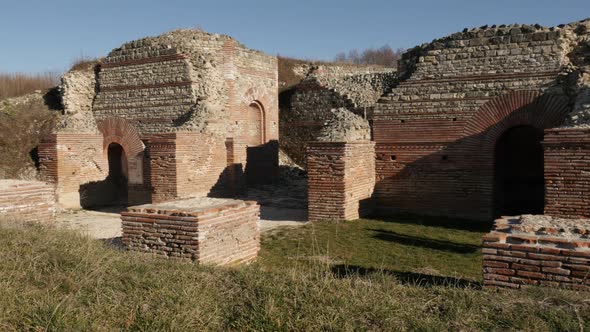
22, 126
61, 281
19, 84
84, 64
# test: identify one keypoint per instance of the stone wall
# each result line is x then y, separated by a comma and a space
341, 178
306, 108
27, 201
205, 230
567, 172
539, 251
436, 131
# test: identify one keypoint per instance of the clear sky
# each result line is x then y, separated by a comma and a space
48, 35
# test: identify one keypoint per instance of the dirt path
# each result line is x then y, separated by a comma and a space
106, 223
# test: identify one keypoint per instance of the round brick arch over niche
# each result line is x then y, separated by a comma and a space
117, 130
255, 98
517, 108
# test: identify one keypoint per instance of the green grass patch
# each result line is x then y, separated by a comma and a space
54, 280
407, 247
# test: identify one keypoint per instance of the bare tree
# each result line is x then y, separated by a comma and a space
384, 56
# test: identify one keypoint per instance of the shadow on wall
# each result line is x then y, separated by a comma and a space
406, 278
230, 183
262, 167
459, 180
111, 191
262, 163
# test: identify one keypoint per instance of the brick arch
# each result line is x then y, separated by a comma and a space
516, 108
118, 130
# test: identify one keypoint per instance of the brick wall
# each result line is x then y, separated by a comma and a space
27, 201
567, 172
205, 230
436, 130
341, 177
513, 257
437, 157
70, 160
201, 160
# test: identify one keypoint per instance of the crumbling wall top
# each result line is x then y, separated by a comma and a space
345, 126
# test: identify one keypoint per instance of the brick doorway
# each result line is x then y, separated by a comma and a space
518, 172
118, 174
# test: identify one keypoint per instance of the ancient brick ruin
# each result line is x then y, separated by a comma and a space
482, 123
184, 115
179, 115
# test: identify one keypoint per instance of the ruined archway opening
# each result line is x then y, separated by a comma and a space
118, 174
518, 172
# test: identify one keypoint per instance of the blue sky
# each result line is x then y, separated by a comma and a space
39, 36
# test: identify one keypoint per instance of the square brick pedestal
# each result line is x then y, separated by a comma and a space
206, 230
341, 179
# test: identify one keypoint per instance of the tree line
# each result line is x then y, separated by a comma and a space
384, 56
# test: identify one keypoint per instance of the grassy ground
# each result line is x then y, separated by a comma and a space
57, 281
409, 247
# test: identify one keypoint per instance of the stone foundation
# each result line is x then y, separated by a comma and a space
537, 250
341, 178
205, 230
27, 201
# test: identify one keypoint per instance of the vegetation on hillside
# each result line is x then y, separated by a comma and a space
58, 280
19, 84
23, 123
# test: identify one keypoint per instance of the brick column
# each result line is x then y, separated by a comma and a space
341, 179
567, 172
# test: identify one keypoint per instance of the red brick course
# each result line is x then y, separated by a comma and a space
515, 260
440, 161
567, 172
27, 201
341, 177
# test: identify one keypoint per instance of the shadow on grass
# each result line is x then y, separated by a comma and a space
415, 241
444, 222
406, 278
114, 242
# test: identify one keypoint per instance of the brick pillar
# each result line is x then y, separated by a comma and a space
341, 179
162, 154
567, 172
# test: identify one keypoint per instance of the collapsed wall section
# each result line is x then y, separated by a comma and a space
306, 108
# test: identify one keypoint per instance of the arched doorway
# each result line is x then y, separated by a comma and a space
518, 172
254, 130
118, 173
